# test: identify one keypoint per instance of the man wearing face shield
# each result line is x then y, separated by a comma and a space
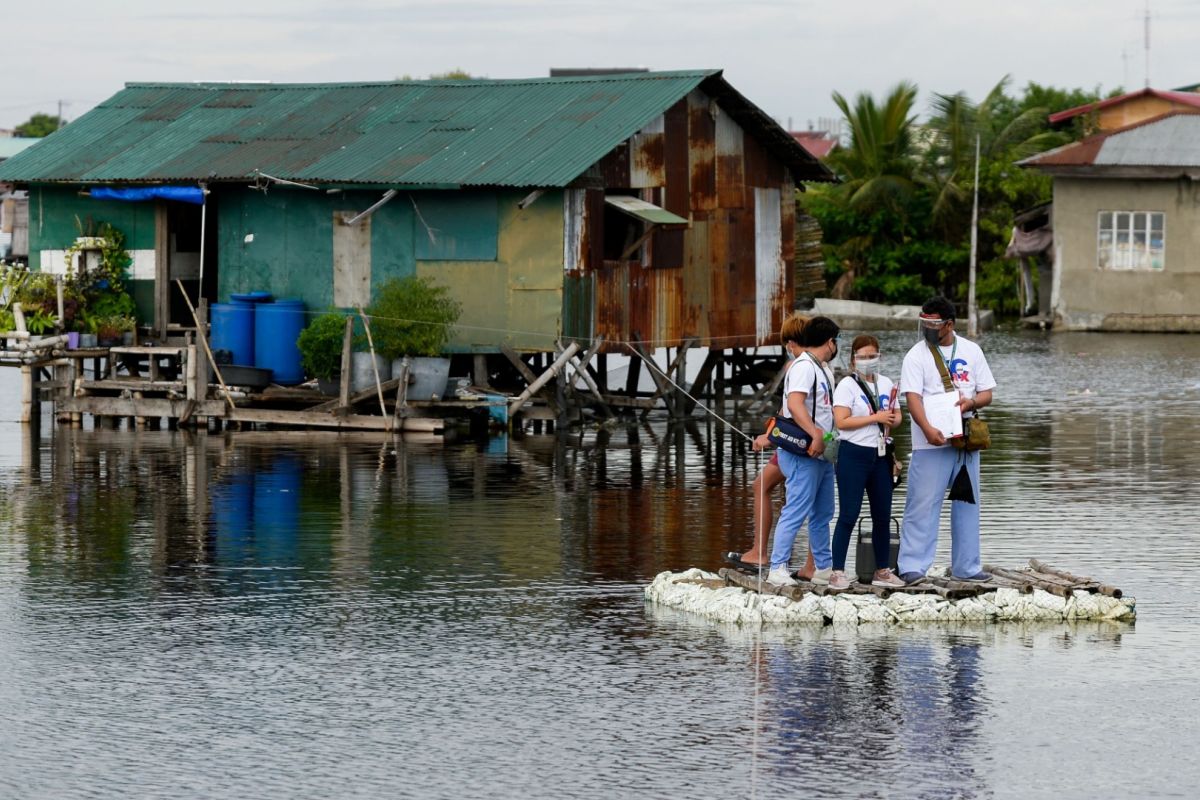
934, 461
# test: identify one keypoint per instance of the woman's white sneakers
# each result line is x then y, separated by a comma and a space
780, 577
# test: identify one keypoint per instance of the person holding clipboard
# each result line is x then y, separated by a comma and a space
865, 412
942, 363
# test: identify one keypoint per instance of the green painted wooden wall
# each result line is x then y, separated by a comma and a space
56, 214
515, 298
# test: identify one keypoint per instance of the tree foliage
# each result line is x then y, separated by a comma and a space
38, 125
898, 226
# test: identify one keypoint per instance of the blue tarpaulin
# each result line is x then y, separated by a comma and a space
134, 194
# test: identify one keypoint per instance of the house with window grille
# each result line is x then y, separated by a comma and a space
1126, 216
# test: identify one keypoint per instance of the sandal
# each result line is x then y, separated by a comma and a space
735, 560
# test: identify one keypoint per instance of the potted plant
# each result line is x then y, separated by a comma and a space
128, 325
413, 318
320, 345
108, 330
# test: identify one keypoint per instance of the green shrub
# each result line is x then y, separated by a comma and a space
321, 345
412, 317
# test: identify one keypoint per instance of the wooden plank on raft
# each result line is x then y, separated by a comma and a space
1102, 588
1030, 579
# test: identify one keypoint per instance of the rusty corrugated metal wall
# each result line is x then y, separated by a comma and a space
726, 278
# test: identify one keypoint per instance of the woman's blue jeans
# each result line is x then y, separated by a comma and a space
860, 468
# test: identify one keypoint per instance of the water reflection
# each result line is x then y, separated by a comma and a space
314, 609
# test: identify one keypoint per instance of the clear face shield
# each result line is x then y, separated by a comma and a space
929, 327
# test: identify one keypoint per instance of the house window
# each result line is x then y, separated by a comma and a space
1131, 240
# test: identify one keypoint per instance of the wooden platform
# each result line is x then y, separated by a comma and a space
1038, 575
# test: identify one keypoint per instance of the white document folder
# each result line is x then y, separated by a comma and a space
943, 412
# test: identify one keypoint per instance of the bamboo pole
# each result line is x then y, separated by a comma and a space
971, 589
754, 584
543, 379
1105, 589
1031, 579
203, 337
375, 366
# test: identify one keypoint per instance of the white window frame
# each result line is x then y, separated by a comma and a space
1131, 241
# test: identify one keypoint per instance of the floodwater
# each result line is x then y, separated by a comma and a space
306, 615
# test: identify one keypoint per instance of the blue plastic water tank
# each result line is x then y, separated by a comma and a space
276, 327
251, 297
233, 330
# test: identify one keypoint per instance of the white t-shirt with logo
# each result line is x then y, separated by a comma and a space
850, 395
800, 378
969, 372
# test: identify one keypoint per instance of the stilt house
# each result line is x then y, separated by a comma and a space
654, 206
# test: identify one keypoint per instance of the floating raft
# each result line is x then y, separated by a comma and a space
1037, 592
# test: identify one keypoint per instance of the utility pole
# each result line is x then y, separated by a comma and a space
1147, 22
972, 311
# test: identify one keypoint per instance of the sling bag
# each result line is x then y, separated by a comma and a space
976, 435
786, 434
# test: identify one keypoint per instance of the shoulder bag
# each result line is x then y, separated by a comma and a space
976, 435
786, 434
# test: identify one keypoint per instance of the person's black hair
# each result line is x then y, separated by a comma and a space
818, 331
940, 306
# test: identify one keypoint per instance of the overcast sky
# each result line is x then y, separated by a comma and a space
786, 56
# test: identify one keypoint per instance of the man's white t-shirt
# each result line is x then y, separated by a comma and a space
850, 395
969, 372
801, 377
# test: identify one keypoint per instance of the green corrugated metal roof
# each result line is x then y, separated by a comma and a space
647, 212
530, 132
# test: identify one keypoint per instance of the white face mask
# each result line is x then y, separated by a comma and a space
867, 366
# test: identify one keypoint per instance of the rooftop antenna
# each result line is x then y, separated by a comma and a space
1147, 25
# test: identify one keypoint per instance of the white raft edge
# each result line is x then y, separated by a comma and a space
733, 604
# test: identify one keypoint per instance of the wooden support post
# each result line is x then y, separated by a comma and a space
592, 387
162, 271
664, 389
543, 379
702, 379
401, 409
765, 390
480, 376
344, 388
718, 393
633, 376
602, 372
31, 402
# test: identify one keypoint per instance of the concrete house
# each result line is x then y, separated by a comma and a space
656, 206
1126, 211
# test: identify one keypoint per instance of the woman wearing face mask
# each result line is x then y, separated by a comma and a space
808, 402
864, 413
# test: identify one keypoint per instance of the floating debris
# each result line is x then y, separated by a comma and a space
1039, 592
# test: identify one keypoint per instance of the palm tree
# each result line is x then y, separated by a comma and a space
877, 167
877, 171
950, 159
